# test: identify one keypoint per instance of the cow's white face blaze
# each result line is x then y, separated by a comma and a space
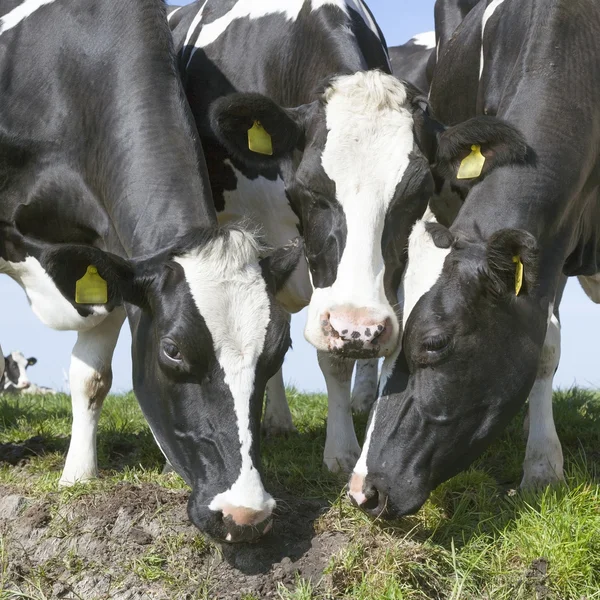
367, 151
231, 295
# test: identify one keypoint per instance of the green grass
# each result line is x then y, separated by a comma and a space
476, 538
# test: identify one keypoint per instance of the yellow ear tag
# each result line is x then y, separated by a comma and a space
472, 165
518, 274
259, 140
91, 288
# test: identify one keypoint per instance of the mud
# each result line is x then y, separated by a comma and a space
136, 542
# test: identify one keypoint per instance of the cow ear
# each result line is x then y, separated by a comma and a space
512, 262
67, 264
31, 361
278, 267
470, 150
257, 130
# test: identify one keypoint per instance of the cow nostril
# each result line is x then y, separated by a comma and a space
372, 498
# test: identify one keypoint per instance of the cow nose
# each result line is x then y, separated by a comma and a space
358, 331
245, 524
25, 385
366, 496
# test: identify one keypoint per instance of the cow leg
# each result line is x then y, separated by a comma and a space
277, 419
341, 446
543, 457
364, 392
90, 379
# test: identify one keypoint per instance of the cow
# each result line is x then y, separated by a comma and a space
107, 213
15, 379
414, 60
342, 166
480, 320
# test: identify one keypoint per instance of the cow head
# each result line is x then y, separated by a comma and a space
207, 336
473, 331
15, 370
357, 179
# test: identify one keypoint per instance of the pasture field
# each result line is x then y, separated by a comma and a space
126, 535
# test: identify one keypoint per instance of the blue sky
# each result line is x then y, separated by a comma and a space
20, 330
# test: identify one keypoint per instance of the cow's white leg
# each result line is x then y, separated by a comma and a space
341, 446
364, 392
543, 457
277, 419
90, 379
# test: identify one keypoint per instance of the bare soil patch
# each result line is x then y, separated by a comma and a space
136, 542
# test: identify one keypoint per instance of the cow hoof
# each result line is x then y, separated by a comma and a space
68, 481
540, 476
274, 430
341, 464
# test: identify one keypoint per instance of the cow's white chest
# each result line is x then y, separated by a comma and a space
263, 202
46, 301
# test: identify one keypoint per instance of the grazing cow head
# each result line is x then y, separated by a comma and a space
473, 330
357, 179
15, 371
207, 337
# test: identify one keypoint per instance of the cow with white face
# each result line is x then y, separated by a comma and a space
341, 163
480, 326
106, 213
15, 377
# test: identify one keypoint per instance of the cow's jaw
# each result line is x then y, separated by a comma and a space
369, 143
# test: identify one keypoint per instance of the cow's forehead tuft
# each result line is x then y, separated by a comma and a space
226, 253
368, 90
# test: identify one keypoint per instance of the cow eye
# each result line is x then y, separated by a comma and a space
436, 343
171, 351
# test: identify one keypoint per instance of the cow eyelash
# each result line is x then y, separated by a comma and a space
171, 351
436, 343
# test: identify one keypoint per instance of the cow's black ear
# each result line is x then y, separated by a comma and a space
257, 130
278, 267
68, 263
512, 262
497, 141
31, 361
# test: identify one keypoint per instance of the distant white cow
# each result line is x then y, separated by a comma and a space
14, 378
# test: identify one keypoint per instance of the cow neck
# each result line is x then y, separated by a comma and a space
152, 181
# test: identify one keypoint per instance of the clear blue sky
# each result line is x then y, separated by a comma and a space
20, 330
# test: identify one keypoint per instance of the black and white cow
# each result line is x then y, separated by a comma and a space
15, 372
481, 331
102, 176
346, 169
15, 379
414, 61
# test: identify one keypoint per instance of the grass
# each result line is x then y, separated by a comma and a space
476, 538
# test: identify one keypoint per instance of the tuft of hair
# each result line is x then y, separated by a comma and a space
368, 91
228, 248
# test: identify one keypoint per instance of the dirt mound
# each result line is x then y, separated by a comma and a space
136, 542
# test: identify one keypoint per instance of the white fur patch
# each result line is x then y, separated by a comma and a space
370, 137
20, 13
263, 203
426, 39
424, 267
46, 301
489, 11
256, 9
170, 14
226, 283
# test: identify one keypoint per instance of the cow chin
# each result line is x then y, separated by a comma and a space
351, 330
